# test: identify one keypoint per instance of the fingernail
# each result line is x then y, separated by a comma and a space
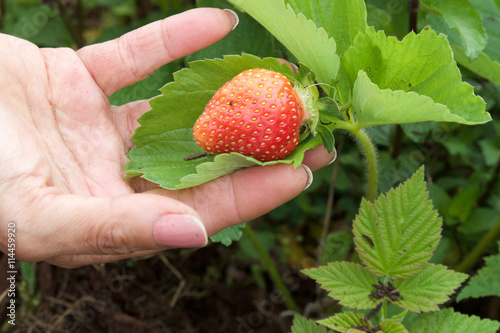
334, 156
309, 176
180, 230
233, 17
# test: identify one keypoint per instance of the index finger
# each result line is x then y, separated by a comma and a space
134, 56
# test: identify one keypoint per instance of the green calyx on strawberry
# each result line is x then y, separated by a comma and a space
258, 114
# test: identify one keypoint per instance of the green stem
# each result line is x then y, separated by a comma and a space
469, 260
371, 164
271, 269
74, 32
345, 107
344, 110
383, 311
370, 154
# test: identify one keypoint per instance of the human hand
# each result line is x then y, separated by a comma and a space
63, 147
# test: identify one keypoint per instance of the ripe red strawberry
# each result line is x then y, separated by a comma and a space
258, 113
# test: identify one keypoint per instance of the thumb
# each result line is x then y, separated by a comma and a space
76, 225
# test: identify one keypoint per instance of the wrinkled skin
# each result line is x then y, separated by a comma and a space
63, 147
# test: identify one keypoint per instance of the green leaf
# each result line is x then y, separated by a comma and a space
421, 63
483, 65
229, 235
147, 88
462, 18
248, 37
480, 221
440, 198
379, 18
342, 322
396, 235
353, 322
486, 282
442, 251
342, 19
487, 63
419, 132
28, 272
392, 326
310, 45
491, 151
464, 201
337, 246
347, 282
164, 140
303, 325
447, 321
395, 11
40, 24
427, 289
326, 137
105, 3
373, 106
221, 165
399, 317
490, 16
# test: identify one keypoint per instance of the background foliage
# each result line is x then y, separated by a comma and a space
220, 288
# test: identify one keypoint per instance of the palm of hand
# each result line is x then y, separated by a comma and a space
64, 130
59, 136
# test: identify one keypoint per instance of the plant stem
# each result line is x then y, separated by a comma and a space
398, 142
371, 164
412, 26
80, 15
345, 107
384, 311
271, 269
374, 311
3, 7
76, 35
413, 9
344, 110
479, 249
370, 154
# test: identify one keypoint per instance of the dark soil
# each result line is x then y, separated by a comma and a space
174, 291
181, 291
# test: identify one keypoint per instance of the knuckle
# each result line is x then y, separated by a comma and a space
128, 57
167, 37
109, 238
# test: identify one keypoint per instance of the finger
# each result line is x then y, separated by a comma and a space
315, 159
244, 195
134, 56
318, 157
72, 225
73, 261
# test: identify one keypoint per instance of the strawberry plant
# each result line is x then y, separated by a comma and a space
351, 78
377, 80
395, 236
